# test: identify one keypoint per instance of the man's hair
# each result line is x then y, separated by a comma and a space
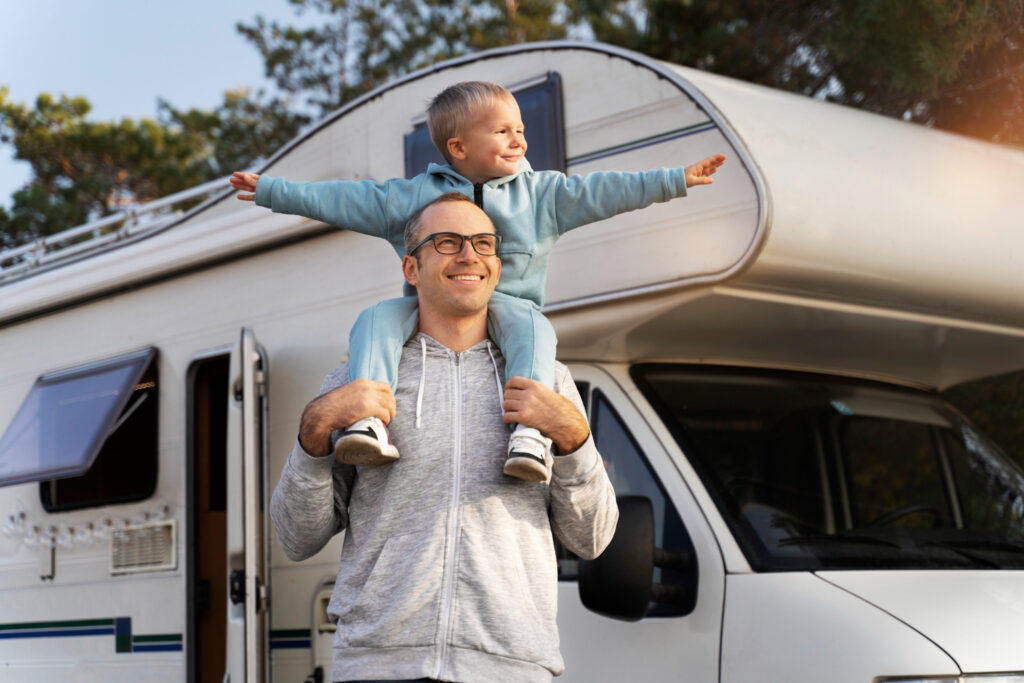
412, 226
455, 106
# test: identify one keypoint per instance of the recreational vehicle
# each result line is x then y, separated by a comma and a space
762, 362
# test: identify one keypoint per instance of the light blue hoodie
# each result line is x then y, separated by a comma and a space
530, 209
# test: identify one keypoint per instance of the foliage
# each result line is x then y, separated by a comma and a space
83, 170
358, 45
996, 405
957, 64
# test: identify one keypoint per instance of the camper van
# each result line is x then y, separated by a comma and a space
762, 364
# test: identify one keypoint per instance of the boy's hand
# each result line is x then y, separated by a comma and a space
700, 173
533, 404
246, 182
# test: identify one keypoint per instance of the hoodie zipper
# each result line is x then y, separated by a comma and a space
448, 595
478, 194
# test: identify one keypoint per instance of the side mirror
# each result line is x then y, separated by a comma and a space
620, 582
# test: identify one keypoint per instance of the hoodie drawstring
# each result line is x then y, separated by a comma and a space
423, 379
497, 377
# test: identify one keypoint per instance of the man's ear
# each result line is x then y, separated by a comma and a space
456, 150
410, 269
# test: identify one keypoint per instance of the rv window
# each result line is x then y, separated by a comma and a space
541, 107
88, 433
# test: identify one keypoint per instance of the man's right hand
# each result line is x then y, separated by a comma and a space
246, 182
341, 407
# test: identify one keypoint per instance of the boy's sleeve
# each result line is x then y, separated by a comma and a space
310, 502
582, 199
358, 205
583, 507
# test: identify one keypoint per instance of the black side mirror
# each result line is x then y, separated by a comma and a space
620, 582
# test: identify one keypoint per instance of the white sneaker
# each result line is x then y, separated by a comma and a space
366, 442
527, 449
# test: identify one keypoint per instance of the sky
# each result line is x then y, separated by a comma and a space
123, 55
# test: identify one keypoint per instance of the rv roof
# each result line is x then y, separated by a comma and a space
832, 214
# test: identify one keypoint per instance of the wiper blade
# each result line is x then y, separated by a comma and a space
957, 548
834, 539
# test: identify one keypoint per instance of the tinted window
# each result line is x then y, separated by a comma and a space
125, 466
541, 107
631, 474
66, 418
821, 472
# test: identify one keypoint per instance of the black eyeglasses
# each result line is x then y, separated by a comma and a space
448, 243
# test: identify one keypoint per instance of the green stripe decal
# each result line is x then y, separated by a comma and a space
76, 623
158, 638
291, 633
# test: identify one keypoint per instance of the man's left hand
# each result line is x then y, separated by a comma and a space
533, 404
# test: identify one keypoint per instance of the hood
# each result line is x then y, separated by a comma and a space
977, 617
447, 170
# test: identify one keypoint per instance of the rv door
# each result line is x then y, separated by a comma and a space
248, 623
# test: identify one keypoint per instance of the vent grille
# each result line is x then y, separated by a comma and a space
143, 548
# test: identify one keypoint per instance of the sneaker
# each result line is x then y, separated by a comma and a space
366, 442
526, 455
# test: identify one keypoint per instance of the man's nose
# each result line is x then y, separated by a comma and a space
467, 253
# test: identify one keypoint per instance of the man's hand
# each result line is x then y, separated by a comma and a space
533, 404
340, 408
246, 182
700, 173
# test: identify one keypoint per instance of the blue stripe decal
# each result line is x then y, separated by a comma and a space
290, 644
586, 159
157, 647
58, 633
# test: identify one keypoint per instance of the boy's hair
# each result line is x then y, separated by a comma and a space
454, 106
412, 226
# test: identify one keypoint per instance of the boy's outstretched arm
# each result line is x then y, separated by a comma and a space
246, 182
698, 174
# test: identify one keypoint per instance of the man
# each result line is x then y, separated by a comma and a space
448, 569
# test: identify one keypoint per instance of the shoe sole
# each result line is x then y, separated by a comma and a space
363, 451
526, 469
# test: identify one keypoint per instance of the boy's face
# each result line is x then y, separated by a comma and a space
492, 144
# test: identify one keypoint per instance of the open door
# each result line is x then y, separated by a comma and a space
247, 549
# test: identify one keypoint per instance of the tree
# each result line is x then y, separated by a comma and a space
83, 170
360, 44
956, 65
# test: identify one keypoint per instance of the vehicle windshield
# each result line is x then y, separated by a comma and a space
815, 472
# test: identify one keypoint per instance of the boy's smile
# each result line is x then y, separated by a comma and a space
493, 143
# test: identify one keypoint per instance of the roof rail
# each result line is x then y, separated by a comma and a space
18, 262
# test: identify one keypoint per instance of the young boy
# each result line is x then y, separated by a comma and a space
478, 129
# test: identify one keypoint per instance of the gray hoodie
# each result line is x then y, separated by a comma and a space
448, 568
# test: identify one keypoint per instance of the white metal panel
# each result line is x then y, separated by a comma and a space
975, 616
867, 208
794, 627
676, 649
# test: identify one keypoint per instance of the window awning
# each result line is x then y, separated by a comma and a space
66, 417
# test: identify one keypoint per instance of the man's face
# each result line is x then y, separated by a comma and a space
453, 285
493, 143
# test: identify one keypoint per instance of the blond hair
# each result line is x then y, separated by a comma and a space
455, 106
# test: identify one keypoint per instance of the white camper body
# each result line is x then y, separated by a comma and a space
859, 260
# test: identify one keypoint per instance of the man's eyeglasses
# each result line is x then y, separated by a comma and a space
448, 243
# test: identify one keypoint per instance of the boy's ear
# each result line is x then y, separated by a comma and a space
410, 270
456, 150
